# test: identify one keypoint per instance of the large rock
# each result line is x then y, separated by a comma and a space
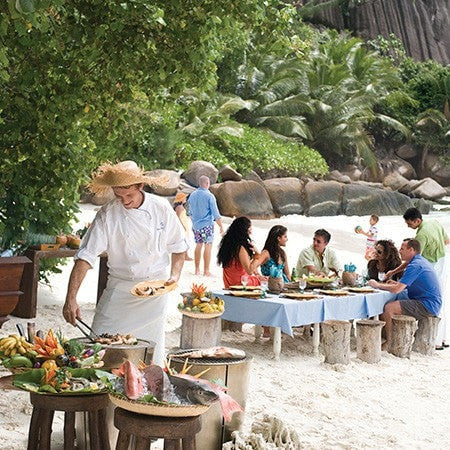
243, 198
169, 184
436, 168
285, 195
186, 187
359, 200
253, 176
352, 171
395, 181
199, 168
424, 206
406, 151
323, 198
429, 190
335, 175
227, 173
386, 167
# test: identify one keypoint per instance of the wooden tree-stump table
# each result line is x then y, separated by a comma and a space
425, 337
200, 332
336, 341
178, 432
368, 340
44, 407
402, 335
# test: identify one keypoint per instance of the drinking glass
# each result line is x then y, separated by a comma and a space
381, 276
244, 281
302, 284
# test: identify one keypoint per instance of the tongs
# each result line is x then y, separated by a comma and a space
91, 335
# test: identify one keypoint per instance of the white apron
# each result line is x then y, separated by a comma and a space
118, 311
442, 268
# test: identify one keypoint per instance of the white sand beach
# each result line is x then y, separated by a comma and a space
398, 403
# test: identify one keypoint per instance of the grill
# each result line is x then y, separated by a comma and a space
205, 361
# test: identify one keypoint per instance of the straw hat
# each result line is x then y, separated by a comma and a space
125, 173
180, 197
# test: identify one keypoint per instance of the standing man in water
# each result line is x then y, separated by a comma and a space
204, 212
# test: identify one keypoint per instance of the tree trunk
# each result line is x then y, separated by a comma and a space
336, 341
425, 336
403, 328
368, 340
200, 333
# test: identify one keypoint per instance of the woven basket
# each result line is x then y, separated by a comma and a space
152, 409
196, 315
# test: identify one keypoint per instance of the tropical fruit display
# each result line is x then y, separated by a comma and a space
200, 300
49, 352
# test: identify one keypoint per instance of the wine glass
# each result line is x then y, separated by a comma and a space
381, 276
264, 286
302, 284
244, 281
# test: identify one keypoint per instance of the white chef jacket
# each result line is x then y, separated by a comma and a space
139, 243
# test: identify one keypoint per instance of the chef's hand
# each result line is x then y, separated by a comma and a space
71, 311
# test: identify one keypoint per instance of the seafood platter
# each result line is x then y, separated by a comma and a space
200, 303
152, 288
152, 390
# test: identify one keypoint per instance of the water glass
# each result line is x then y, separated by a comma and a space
244, 281
301, 284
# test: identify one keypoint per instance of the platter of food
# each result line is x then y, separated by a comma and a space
240, 287
337, 292
152, 288
201, 303
363, 289
248, 294
115, 339
300, 295
318, 281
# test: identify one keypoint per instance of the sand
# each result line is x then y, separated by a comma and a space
398, 403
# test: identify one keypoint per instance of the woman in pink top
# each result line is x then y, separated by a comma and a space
236, 253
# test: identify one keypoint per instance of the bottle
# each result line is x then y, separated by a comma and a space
294, 274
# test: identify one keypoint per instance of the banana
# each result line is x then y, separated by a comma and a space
13, 352
21, 349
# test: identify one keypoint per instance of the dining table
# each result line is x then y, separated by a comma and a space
282, 313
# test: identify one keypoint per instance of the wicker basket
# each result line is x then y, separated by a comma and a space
152, 409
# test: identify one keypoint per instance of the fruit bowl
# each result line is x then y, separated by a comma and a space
199, 302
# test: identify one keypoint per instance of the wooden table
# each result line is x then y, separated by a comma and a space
26, 308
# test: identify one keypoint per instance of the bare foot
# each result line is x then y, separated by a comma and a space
188, 258
197, 272
207, 274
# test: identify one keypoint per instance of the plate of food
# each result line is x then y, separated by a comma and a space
240, 287
318, 281
337, 292
152, 288
362, 289
248, 294
301, 295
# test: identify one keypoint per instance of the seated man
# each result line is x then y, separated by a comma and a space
318, 259
423, 292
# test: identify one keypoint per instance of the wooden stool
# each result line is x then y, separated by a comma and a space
368, 340
44, 407
145, 428
200, 332
402, 335
336, 341
425, 336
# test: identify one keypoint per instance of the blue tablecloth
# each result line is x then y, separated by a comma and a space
285, 313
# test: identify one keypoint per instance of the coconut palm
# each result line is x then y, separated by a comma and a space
326, 100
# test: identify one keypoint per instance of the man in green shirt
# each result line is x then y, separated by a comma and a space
318, 258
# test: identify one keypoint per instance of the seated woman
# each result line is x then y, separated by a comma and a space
386, 258
273, 254
236, 254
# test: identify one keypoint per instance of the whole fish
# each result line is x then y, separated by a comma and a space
134, 388
213, 352
193, 390
158, 383
227, 403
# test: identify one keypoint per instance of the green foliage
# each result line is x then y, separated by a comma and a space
196, 149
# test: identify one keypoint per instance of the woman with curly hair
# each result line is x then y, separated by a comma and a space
386, 257
236, 254
273, 255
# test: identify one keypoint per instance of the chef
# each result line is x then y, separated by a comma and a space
144, 240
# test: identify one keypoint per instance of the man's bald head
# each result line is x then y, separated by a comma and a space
203, 182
